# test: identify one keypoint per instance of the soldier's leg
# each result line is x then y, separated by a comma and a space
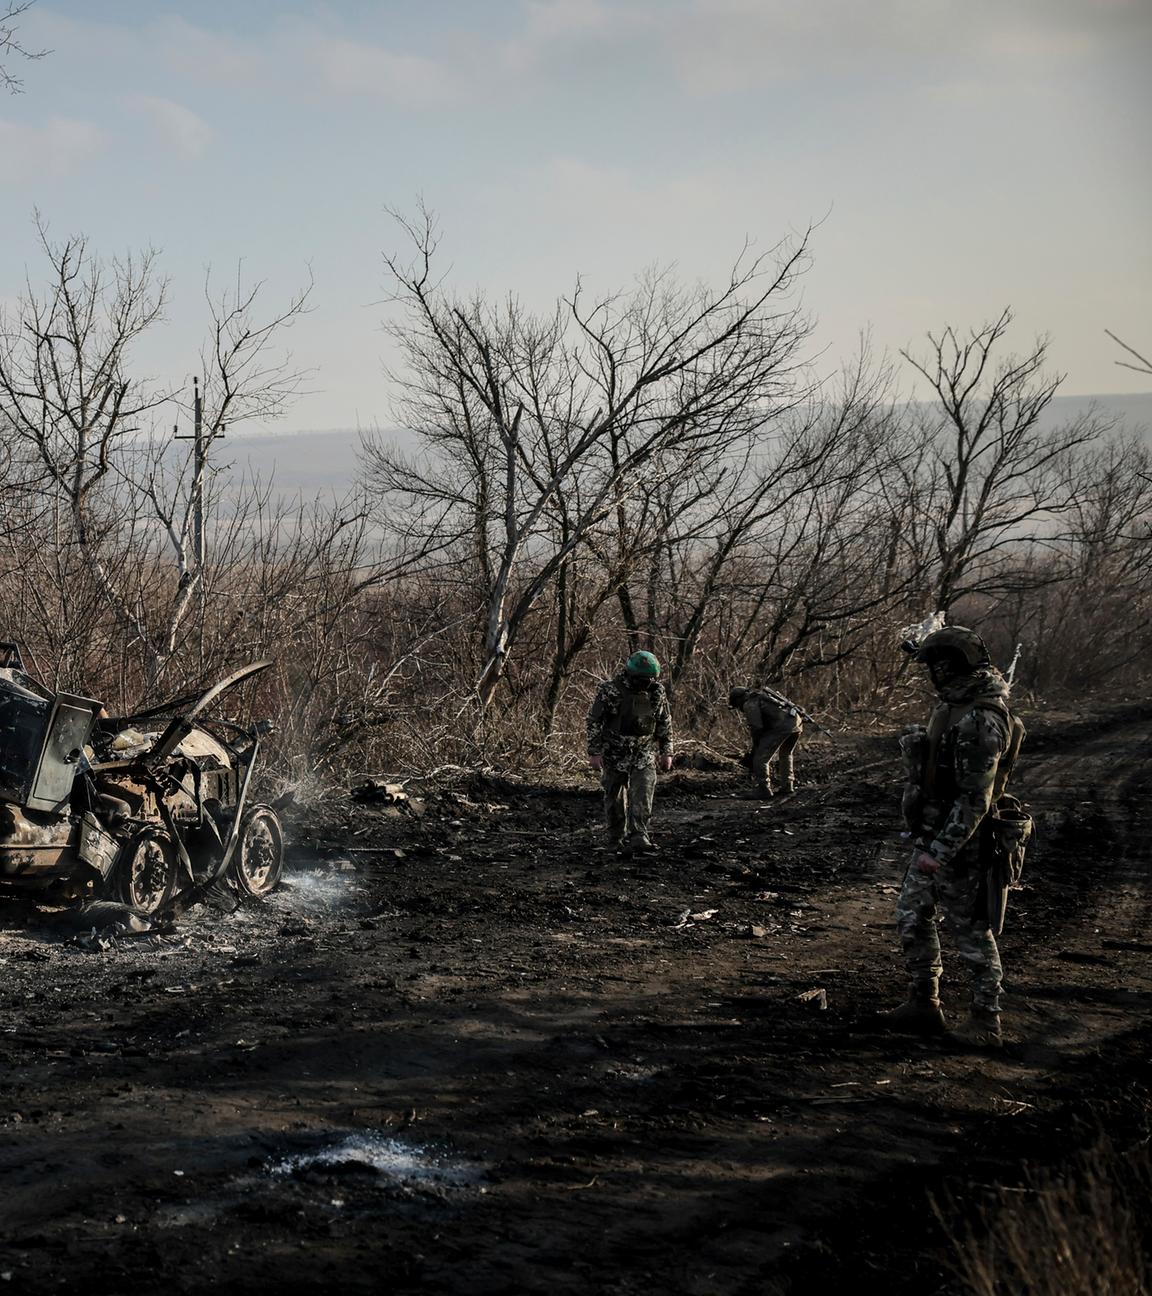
770, 747
761, 754
785, 773
615, 785
920, 1014
959, 890
641, 792
919, 937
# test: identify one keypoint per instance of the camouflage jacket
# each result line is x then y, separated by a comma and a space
970, 730
623, 751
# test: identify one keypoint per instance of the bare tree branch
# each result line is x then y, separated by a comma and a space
10, 44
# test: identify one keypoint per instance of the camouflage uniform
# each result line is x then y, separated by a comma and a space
775, 726
629, 774
966, 738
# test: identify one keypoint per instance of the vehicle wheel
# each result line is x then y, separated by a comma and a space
147, 876
259, 858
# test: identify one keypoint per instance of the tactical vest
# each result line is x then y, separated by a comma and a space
636, 715
937, 782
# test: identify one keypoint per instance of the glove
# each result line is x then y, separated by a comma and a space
665, 764
927, 864
597, 762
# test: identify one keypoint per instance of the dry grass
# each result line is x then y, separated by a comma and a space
1083, 1230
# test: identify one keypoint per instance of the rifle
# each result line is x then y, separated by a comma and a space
1010, 676
788, 705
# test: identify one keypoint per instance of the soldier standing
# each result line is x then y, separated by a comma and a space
775, 726
629, 730
957, 771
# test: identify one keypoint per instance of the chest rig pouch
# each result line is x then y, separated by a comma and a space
636, 717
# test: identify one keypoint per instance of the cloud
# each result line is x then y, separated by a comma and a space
59, 147
178, 127
297, 57
555, 25
289, 56
722, 47
354, 67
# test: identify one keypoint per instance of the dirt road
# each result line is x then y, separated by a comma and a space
472, 1053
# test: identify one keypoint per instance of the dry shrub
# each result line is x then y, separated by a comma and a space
1080, 1230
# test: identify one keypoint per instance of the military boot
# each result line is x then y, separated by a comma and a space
919, 1014
981, 1030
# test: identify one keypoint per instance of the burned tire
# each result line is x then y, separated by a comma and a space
148, 872
259, 859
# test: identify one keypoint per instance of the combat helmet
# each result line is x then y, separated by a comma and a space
643, 665
961, 648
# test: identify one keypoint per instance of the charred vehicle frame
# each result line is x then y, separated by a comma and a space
91, 804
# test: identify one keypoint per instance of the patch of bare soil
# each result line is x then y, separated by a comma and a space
474, 1053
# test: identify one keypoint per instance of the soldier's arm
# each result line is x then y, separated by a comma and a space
914, 750
663, 729
981, 738
753, 717
601, 710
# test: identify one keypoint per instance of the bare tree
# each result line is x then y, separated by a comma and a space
247, 376
81, 427
790, 535
512, 408
997, 476
1101, 612
66, 396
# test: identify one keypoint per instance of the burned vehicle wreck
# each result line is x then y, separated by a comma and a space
141, 808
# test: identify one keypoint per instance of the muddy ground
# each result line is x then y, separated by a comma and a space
473, 1053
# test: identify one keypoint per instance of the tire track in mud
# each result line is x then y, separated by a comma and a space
1091, 798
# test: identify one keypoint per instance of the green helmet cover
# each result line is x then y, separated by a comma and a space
643, 664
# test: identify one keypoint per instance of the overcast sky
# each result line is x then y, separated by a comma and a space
958, 156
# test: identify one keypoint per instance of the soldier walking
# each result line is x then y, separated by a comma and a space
775, 726
957, 772
629, 733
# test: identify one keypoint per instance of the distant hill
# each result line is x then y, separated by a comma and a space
312, 463
306, 463
1131, 411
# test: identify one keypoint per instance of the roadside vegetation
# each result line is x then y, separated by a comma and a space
669, 467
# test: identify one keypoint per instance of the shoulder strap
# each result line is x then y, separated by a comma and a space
942, 719
1008, 760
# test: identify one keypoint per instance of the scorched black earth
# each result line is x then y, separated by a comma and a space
469, 1052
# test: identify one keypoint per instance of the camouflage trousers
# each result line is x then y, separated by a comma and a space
628, 796
952, 894
778, 742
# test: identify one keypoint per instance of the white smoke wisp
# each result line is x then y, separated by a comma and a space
315, 891
916, 633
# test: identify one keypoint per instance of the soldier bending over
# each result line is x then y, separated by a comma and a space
775, 726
